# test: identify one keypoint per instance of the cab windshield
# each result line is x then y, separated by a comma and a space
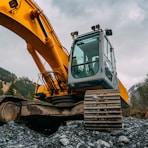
85, 57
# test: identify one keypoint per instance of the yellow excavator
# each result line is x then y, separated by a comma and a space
82, 85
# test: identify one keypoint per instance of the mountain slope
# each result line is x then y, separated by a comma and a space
138, 94
10, 84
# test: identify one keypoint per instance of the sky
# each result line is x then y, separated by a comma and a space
128, 20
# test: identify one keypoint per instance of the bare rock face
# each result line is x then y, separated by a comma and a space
74, 135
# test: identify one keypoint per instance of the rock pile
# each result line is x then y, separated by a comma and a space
74, 135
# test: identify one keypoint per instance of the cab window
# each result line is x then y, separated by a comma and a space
108, 59
85, 57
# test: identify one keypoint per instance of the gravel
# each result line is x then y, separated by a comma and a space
74, 135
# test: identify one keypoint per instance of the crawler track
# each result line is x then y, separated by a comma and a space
102, 110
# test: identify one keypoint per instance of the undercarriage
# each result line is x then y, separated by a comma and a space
100, 110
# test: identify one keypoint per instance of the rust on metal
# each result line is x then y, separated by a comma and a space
8, 112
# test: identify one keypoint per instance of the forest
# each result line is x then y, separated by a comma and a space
11, 85
138, 95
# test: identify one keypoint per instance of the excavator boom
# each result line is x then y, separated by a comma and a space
27, 20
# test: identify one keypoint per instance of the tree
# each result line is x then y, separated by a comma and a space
139, 96
21, 87
134, 101
1, 86
143, 92
10, 90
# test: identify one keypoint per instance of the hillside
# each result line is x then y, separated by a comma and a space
10, 84
138, 94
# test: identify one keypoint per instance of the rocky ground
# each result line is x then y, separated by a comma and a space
73, 135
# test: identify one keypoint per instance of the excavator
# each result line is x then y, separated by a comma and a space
82, 85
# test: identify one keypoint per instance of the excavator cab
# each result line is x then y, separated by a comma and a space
92, 62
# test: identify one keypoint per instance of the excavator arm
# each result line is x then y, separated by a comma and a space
27, 20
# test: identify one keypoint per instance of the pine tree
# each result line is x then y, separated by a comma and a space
1, 86
10, 90
143, 91
139, 97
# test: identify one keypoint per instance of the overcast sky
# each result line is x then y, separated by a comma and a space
127, 18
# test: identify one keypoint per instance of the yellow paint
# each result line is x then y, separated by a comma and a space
123, 92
